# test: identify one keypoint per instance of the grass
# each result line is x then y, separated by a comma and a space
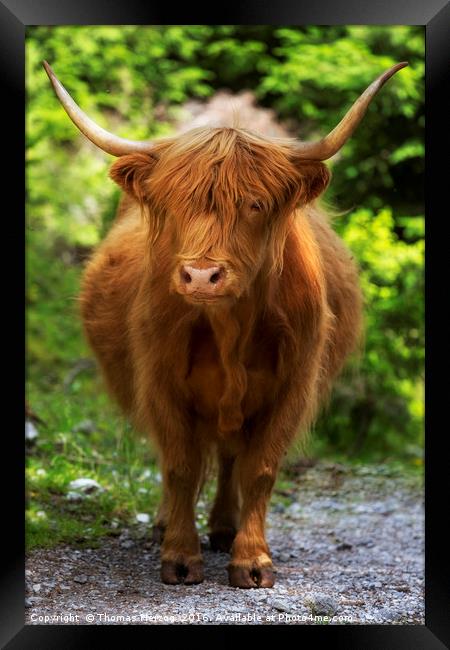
122, 464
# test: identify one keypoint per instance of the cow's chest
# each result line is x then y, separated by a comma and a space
210, 381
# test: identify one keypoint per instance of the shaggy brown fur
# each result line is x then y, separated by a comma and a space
242, 374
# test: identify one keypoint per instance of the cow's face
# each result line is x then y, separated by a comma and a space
221, 200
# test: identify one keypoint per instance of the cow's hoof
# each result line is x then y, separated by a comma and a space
222, 539
251, 577
187, 572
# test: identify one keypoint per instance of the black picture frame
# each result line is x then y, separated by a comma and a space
15, 16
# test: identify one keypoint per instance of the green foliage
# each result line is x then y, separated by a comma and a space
130, 79
377, 409
315, 79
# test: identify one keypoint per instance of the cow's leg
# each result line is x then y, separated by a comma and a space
251, 563
181, 560
224, 517
268, 438
161, 518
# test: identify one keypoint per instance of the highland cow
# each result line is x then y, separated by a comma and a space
220, 307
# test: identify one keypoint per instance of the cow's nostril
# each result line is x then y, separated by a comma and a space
215, 278
186, 277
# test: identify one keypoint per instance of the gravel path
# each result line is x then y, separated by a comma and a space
347, 544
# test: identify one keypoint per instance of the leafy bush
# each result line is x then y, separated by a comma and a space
377, 407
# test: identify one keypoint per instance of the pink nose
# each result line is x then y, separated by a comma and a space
204, 281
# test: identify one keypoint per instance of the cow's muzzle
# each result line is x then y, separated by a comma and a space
201, 281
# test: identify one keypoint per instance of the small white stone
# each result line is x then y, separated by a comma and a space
85, 485
143, 517
31, 433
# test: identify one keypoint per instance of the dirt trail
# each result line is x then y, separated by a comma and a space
346, 543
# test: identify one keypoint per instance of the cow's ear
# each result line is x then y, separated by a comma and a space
131, 172
314, 179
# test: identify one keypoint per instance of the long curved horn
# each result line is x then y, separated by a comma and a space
328, 146
110, 143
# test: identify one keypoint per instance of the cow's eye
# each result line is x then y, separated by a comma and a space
256, 207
